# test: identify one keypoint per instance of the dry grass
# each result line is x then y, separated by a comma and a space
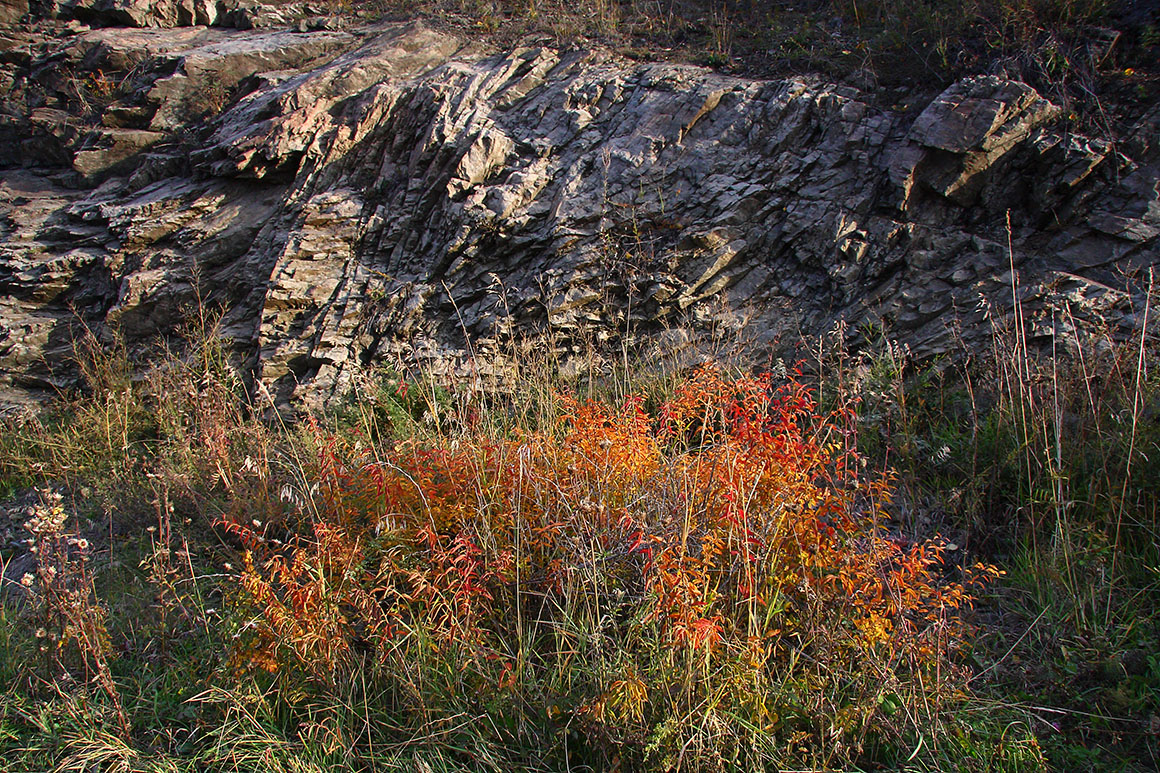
690, 570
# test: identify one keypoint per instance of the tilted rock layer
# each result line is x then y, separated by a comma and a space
390, 193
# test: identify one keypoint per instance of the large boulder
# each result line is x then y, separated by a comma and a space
964, 132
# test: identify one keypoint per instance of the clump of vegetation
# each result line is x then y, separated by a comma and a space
702, 587
712, 569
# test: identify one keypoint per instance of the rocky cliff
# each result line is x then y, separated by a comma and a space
350, 195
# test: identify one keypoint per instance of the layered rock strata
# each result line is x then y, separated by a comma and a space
389, 193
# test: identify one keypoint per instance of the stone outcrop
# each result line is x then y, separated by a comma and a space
355, 196
12, 11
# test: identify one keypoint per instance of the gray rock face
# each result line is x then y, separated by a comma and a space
239, 14
391, 193
11, 12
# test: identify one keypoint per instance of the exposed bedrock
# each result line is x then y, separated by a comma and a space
358, 196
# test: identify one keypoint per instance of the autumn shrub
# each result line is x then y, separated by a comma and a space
708, 585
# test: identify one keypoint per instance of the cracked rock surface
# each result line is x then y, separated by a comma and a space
381, 193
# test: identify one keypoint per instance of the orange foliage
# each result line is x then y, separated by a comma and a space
734, 518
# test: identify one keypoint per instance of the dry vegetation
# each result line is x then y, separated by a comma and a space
880, 566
